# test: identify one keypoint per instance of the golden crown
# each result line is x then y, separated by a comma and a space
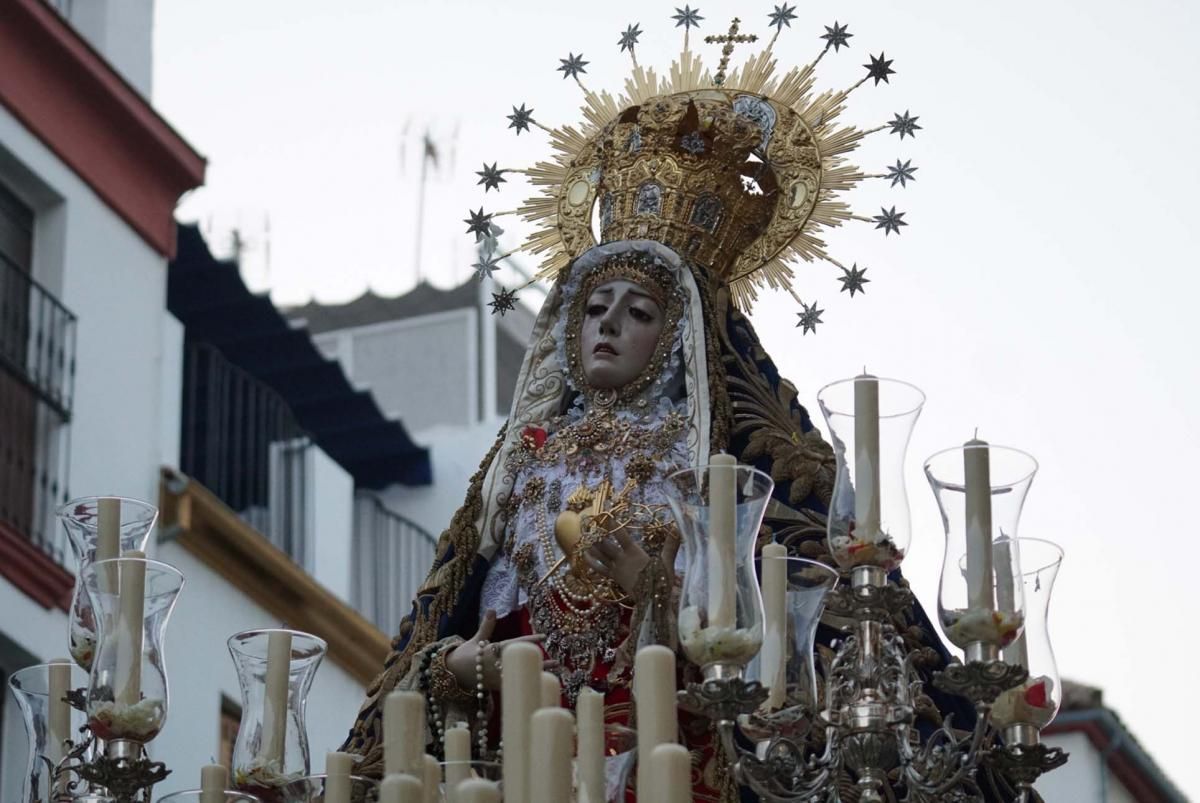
737, 171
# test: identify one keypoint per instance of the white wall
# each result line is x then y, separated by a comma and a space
330, 512
121, 30
1083, 778
456, 453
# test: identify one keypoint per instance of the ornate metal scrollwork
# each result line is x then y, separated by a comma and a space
722, 698
1024, 764
868, 603
128, 780
980, 681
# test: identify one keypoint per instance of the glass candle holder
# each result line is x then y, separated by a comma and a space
271, 750
794, 591
977, 510
1035, 702
870, 422
127, 689
132, 521
311, 789
48, 725
719, 509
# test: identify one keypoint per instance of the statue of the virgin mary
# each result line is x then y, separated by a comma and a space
641, 363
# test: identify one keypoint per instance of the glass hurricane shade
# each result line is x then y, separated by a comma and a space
870, 422
980, 598
132, 599
133, 520
720, 613
265, 759
31, 688
1035, 702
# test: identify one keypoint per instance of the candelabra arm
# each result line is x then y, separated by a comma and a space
945, 765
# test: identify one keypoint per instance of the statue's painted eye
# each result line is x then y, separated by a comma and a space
596, 309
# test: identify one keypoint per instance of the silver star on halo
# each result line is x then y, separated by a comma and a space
520, 119
810, 317
630, 37
782, 15
890, 221
502, 302
902, 173
880, 68
477, 223
853, 280
688, 17
572, 65
904, 125
490, 177
836, 37
487, 265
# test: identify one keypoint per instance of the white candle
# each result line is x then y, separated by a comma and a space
722, 540
432, 779
458, 759
551, 691
59, 725
977, 476
589, 710
213, 778
867, 525
404, 733
338, 767
774, 648
551, 746
275, 695
397, 788
1006, 598
477, 790
520, 694
654, 698
108, 528
128, 679
671, 768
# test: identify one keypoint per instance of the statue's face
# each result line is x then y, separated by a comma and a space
621, 327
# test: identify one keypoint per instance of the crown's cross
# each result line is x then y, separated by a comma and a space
729, 40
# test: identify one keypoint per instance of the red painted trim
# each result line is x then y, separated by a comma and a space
33, 572
1142, 788
72, 99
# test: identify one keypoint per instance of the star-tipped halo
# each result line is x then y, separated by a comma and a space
520, 119
837, 37
810, 317
490, 177
880, 68
901, 173
853, 279
572, 65
905, 125
890, 221
782, 15
688, 17
630, 37
502, 302
488, 264
478, 223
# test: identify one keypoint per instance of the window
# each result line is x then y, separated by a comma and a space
37, 368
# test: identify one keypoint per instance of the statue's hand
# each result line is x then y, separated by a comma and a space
620, 558
463, 659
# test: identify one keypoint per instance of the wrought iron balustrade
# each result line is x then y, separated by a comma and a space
242, 442
37, 384
390, 558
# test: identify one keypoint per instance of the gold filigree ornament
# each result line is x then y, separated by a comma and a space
739, 171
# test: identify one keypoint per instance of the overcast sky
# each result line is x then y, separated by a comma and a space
1044, 292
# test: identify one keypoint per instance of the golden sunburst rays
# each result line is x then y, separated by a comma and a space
561, 233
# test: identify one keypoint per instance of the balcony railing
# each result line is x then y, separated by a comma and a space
37, 382
391, 556
241, 441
